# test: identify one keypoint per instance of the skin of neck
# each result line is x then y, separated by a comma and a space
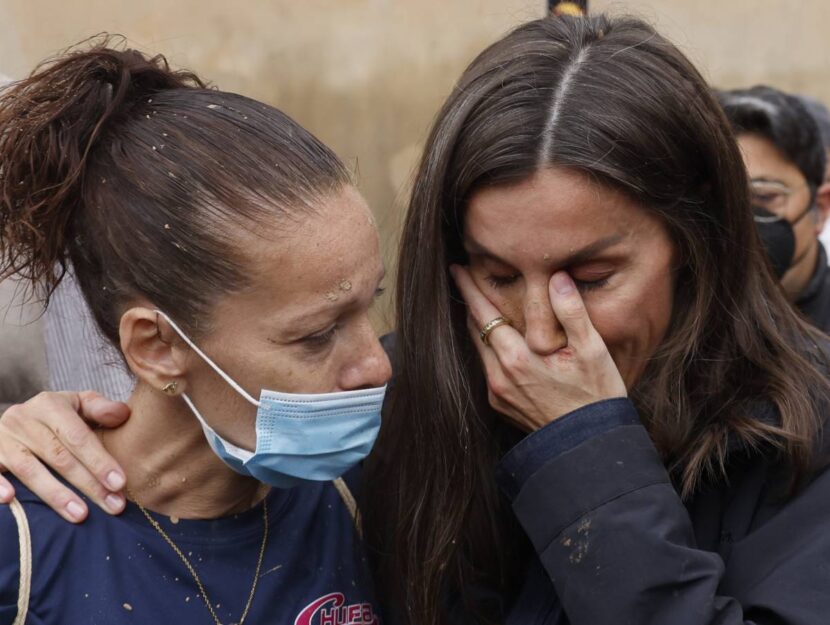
169, 464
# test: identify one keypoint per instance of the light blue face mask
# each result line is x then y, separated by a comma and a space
299, 438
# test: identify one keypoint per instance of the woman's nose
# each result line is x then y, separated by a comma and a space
370, 367
543, 332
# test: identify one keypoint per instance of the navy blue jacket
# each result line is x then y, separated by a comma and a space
617, 546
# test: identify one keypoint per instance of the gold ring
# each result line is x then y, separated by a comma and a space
490, 326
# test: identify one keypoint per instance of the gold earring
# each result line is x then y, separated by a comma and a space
170, 388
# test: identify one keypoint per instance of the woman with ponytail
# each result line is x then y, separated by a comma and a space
193, 221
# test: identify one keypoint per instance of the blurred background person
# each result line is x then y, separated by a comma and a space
821, 114
786, 162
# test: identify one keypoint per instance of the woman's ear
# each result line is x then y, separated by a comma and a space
823, 205
153, 351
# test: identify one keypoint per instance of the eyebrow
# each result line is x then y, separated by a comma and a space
574, 258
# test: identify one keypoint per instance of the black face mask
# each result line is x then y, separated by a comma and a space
778, 237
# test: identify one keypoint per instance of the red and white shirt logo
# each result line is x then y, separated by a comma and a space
331, 609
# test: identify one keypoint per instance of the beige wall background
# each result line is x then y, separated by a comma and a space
367, 76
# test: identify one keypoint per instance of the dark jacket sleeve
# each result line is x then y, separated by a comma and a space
619, 546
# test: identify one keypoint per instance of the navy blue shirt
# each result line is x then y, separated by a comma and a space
114, 570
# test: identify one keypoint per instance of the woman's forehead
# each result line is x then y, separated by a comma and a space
332, 251
557, 209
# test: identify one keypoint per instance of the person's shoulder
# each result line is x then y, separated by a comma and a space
30, 502
51, 531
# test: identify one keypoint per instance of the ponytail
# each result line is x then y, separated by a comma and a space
144, 181
50, 124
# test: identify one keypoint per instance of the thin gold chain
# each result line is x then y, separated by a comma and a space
193, 572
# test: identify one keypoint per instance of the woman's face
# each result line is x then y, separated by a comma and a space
303, 325
619, 255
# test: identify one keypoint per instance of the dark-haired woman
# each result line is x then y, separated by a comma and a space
592, 355
595, 279
193, 220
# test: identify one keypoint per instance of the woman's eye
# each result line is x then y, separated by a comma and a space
321, 339
590, 285
500, 282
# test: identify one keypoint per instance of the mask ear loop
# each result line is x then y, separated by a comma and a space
212, 364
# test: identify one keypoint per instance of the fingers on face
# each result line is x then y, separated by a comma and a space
483, 311
565, 300
570, 310
498, 380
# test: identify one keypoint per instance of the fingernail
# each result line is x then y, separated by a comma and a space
114, 502
5, 493
562, 283
75, 510
115, 481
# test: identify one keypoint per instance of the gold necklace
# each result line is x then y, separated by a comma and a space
195, 575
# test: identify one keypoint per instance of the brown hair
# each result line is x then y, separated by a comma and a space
615, 101
140, 177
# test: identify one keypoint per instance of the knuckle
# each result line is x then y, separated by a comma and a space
12, 416
75, 435
24, 465
42, 400
495, 387
60, 457
514, 360
593, 352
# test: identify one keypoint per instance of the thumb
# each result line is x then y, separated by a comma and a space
569, 309
98, 409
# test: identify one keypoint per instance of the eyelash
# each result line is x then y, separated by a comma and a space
502, 282
320, 340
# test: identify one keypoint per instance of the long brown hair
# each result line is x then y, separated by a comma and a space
140, 177
615, 101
